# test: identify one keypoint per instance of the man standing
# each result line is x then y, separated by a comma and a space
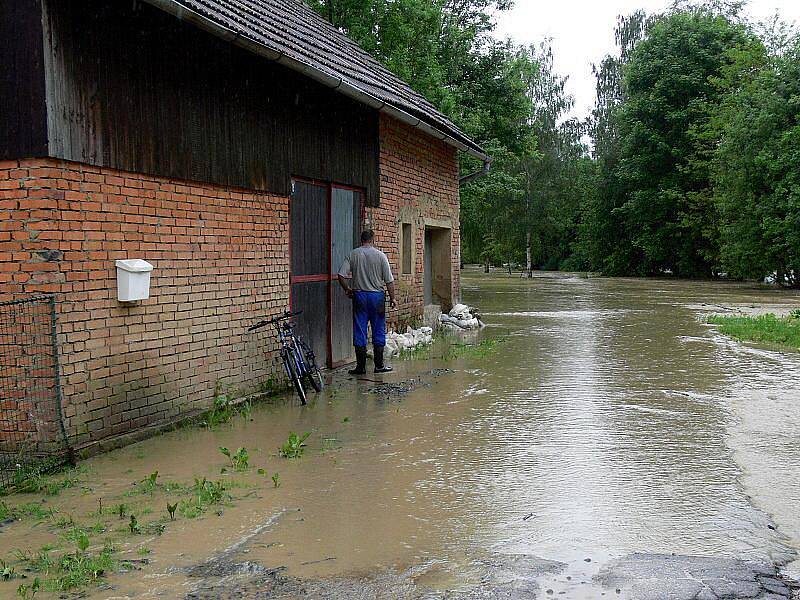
368, 270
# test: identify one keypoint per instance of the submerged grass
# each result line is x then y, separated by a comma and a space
766, 329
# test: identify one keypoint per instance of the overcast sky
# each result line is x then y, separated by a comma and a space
583, 32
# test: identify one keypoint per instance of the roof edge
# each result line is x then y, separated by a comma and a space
181, 12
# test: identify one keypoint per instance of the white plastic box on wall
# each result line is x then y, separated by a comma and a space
133, 279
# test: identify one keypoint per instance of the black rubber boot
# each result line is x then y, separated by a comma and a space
380, 367
361, 361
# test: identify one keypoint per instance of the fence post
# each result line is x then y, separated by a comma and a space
69, 454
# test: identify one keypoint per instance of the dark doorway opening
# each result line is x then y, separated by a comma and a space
438, 289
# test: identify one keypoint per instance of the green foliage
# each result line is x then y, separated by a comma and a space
26, 591
120, 509
222, 410
445, 51
205, 493
766, 329
68, 572
7, 572
171, 508
79, 569
276, 480
30, 510
294, 446
239, 460
35, 482
667, 139
758, 168
133, 525
464, 350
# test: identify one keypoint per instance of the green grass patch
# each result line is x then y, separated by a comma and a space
462, 350
765, 329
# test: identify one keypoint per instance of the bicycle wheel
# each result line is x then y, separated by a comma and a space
313, 373
290, 364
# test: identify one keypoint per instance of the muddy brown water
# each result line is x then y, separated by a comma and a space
607, 420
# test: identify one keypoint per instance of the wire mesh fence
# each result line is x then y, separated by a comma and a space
32, 434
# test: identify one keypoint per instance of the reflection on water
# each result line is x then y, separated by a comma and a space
609, 420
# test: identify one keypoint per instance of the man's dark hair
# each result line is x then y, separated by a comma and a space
367, 236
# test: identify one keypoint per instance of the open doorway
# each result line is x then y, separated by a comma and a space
438, 288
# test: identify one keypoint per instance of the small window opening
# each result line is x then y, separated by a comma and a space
407, 240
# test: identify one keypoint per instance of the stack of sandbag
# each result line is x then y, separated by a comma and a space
412, 338
461, 316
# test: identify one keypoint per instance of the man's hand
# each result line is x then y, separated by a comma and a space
349, 293
392, 303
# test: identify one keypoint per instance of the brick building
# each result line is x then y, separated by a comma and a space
237, 146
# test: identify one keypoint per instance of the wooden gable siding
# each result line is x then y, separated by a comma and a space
133, 88
23, 125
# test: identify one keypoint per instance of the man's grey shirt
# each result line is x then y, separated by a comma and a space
369, 269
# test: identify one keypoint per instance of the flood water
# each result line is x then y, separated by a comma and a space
607, 420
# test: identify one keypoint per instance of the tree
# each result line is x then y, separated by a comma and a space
445, 51
665, 146
757, 174
604, 241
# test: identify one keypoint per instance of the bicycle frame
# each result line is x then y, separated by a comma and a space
297, 356
288, 341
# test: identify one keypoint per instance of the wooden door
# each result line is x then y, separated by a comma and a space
345, 219
309, 219
325, 221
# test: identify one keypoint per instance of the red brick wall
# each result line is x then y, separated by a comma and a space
220, 263
220, 259
418, 182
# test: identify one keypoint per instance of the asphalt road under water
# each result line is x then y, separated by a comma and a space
605, 443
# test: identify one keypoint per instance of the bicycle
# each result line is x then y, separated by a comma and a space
297, 356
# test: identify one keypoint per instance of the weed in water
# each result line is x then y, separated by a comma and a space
221, 411
64, 522
262, 472
133, 525
80, 569
171, 508
26, 591
77, 535
276, 480
82, 541
143, 551
155, 528
190, 509
205, 493
461, 350
37, 483
150, 483
239, 460
34, 510
7, 571
245, 409
210, 492
294, 446
346, 420
121, 510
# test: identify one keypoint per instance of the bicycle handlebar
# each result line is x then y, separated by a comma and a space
287, 315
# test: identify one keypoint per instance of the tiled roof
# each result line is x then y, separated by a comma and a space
292, 33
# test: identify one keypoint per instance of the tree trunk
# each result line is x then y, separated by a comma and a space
486, 265
528, 265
